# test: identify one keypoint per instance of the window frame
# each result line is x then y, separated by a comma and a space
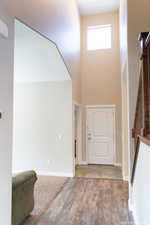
96, 27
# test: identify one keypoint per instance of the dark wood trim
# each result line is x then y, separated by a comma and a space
145, 140
143, 35
142, 39
147, 42
135, 160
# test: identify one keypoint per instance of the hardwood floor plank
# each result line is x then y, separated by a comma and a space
89, 202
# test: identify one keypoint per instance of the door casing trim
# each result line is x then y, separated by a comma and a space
79, 132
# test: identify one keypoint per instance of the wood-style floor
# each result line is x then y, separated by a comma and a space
99, 171
89, 202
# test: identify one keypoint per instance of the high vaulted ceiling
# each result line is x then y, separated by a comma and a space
91, 7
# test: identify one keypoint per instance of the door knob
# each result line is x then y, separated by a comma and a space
89, 136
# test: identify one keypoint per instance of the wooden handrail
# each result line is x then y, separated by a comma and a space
145, 140
141, 130
147, 42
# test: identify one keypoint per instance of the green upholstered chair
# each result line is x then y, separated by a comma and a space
22, 196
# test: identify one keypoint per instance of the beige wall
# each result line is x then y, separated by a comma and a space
59, 21
138, 21
101, 81
133, 20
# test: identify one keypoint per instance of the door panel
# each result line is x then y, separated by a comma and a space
100, 135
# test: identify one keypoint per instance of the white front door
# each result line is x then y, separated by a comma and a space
101, 135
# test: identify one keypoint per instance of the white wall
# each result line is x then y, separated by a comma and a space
59, 20
43, 133
36, 58
43, 127
124, 88
6, 104
141, 187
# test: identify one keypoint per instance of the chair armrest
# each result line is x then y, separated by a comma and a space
21, 178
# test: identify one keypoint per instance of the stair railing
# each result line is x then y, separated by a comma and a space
141, 130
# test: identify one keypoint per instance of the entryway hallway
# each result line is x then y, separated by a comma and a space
88, 202
99, 171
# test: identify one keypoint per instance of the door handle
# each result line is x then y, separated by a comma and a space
89, 136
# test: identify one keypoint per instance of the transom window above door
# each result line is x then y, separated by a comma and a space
99, 37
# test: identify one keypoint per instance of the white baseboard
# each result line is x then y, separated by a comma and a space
82, 163
130, 205
57, 174
43, 173
125, 178
131, 208
118, 164
136, 222
86, 163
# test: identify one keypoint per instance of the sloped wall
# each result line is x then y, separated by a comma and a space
43, 130
59, 21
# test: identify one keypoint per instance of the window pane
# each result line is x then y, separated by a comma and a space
99, 37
